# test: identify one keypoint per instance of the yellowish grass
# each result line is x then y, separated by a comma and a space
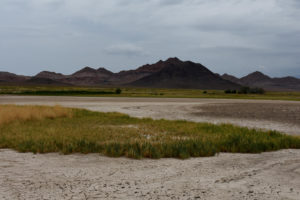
10, 113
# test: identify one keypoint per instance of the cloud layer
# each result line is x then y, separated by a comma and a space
226, 35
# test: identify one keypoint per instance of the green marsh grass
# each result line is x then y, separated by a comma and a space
116, 135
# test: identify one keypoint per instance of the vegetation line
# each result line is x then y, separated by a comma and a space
243, 93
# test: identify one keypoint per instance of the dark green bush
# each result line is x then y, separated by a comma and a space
248, 90
118, 91
228, 91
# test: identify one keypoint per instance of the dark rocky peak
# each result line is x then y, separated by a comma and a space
231, 78
258, 75
151, 68
228, 77
160, 62
226, 74
86, 71
177, 64
173, 60
49, 75
103, 70
255, 78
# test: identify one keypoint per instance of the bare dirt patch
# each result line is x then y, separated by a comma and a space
226, 176
277, 112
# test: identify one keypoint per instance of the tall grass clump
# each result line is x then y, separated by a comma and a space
11, 113
42, 129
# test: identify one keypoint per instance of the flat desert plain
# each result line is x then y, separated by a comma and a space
271, 175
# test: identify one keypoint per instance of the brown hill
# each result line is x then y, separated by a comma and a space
286, 83
258, 79
126, 77
232, 78
44, 81
86, 76
91, 72
50, 75
175, 73
7, 77
89, 76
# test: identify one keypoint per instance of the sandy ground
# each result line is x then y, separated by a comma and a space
273, 175
226, 176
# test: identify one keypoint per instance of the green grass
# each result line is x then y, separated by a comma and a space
141, 92
115, 134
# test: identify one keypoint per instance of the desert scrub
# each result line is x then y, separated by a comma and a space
115, 134
12, 113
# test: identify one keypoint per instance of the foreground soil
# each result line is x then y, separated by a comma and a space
271, 176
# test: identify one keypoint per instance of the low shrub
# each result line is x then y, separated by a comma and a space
118, 91
249, 90
229, 91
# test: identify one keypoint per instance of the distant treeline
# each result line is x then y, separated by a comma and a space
246, 90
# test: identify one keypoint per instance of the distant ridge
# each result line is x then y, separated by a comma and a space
232, 78
258, 79
171, 73
255, 77
50, 75
7, 77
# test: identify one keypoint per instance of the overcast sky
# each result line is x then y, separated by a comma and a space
233, 36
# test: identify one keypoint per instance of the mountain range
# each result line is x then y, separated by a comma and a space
171, 73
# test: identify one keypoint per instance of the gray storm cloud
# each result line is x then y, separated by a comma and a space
230, 36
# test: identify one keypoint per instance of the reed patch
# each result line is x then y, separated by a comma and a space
12, 113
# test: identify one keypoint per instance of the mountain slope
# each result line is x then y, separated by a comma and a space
89, 77
50, 75
175, 73
126, 77
256, 78
86, 76
45, 81
7, 77
232, 78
